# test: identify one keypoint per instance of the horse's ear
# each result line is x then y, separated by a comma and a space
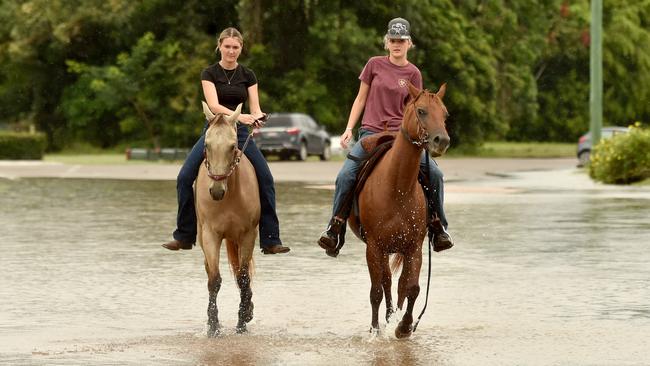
413, 91
206, 110
441, 91
232, 119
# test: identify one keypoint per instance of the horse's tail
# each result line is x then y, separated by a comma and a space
233, 259
396, 262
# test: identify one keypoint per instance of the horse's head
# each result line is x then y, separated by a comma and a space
424, 120
221, 152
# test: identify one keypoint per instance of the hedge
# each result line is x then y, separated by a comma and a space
21, 145
622, 159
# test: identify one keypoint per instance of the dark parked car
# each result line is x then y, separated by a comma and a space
584, 143
293, 134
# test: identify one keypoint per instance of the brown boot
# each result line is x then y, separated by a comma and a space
441, 240
177, 244
275, 249
329, 239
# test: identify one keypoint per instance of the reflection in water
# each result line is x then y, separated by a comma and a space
537, 277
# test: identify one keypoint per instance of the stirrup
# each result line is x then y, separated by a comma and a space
332, 251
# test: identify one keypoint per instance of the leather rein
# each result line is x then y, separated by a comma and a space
234, 162
423, 134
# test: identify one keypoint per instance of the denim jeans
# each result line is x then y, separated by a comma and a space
348, 175
186, 218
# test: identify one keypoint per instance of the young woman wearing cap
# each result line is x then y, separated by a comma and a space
382, 96
225, 85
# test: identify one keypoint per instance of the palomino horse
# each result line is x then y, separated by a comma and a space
227, 207
392, 205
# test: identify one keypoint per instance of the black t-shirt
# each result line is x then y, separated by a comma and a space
232, 85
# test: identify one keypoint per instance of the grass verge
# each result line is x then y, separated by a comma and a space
487, 150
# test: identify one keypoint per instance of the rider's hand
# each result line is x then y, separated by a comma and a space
260, 120
345, 138
246, 119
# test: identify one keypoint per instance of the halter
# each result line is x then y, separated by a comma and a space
423, 134
236, 158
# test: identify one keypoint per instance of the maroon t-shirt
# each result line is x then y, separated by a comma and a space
388, 92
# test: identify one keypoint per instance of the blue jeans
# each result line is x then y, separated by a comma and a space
186, 217
348, 175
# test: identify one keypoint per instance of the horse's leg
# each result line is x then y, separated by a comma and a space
409, 288
374, 258
246, 248
211, 244
386, 283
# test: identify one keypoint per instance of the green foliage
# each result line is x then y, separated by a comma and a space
134, 98
111, 72
19, 145
622, 159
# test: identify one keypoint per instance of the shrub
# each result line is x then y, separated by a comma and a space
622, 159
20, 145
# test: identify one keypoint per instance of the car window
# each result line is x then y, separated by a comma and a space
279, 122
310, 123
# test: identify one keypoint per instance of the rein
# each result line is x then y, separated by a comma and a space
430, 234
233, 163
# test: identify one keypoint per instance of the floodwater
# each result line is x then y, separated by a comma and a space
539, 276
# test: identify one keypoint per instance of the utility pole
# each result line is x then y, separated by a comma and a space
596, 71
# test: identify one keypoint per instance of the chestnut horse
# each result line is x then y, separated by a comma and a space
392, 205
227, 207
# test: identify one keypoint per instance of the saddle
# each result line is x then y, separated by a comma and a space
375, 146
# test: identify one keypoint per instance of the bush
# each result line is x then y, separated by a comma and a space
19, 145
622, 159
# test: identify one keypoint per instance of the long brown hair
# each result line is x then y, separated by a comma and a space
230, 32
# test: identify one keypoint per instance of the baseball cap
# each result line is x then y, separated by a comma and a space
399, 28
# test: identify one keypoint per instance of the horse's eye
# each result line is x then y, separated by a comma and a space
422, 112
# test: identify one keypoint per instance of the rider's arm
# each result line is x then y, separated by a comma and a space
357, 107
210, 94
254, 101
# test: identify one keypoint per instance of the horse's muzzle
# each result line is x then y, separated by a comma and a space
217, 192
438, 145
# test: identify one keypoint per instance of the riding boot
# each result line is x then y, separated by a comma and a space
441, 240
177, 244
330, 238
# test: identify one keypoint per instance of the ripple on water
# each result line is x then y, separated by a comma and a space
536, 277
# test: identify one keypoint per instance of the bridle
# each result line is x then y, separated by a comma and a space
423, 134
236, 156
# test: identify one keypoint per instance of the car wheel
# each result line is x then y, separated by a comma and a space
583, 158
327, 152
302, 152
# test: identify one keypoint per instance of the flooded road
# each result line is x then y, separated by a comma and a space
540, 275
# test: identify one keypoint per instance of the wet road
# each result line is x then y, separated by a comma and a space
548, 269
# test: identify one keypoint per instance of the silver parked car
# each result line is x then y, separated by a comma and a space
293, 134
584, 142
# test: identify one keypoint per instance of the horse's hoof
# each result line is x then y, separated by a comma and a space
403, 332
241, 329
248, 315
213, 333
